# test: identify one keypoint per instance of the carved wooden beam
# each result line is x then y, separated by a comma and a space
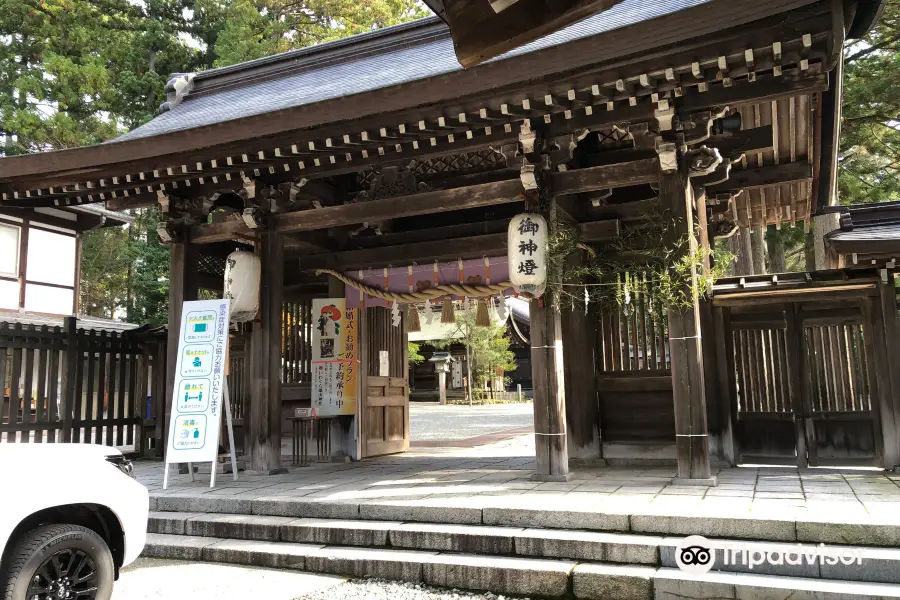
763, 177
438, 201
605, 177
447, 249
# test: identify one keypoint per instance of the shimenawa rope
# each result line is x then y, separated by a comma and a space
474, 291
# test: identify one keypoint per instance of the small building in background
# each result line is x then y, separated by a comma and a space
40, 257
423, 379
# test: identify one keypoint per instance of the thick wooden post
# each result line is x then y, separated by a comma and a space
582, 408
884, 323
688, 386
548, 376
264, 432
182, 288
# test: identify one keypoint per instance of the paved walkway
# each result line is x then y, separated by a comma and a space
455, 422
499, 475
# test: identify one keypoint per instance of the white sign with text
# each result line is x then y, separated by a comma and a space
199, 382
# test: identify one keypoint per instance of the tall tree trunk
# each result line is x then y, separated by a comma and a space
757, 243
740, 246
809, 251
775, 248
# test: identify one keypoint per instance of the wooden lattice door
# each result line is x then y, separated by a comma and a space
803, 385
840, 392
766, 406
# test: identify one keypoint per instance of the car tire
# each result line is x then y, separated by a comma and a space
35, 555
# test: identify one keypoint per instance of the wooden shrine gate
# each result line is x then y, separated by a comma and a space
804, 381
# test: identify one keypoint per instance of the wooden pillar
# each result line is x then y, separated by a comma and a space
344, 430
547, 372
182, 288
725, 381
686, 354
264, 432
582, 407
884, 322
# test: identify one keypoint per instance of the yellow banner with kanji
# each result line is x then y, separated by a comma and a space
335, 357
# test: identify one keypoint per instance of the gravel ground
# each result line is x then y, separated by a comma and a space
379, 589
153, 579
432, 422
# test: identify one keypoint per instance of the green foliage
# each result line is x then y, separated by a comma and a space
870, 134
104, 271
636, 266
80, 72
124, 271
488, 346
412, 353
257, 28
149, 298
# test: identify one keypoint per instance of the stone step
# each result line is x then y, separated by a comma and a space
849, 563
513, 576
828, 529
470, 539
501, 575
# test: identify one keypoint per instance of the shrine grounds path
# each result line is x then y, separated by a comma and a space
465, 426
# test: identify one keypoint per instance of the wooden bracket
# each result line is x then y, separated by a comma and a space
702, 161
668, 155
169, 232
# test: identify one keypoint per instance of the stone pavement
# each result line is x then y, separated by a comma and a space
434, 423
499, 475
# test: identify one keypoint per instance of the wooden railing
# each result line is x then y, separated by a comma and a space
63, 384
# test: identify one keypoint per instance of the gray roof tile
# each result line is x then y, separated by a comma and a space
373, 68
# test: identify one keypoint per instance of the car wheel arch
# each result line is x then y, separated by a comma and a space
96, 517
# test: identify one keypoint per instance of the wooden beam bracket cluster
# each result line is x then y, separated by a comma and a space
643, 97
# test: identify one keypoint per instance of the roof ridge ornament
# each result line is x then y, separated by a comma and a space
177, 88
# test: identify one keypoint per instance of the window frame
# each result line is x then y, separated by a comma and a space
18, 258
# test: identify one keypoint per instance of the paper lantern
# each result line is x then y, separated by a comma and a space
242, 274
527, 253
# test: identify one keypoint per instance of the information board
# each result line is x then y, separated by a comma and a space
335, 357
199, 382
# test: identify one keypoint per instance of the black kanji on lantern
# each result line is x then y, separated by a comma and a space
528, 247
528, 267
526, 225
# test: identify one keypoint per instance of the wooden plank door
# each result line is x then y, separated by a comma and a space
384, 408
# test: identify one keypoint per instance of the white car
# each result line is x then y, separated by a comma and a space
71, 516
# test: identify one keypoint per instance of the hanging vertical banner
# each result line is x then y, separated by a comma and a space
199, 381
335, 357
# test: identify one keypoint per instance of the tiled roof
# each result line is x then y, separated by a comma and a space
377, 60
868, 228
83, 322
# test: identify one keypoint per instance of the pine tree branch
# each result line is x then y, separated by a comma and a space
873, 48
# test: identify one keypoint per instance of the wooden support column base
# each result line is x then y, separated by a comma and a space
562, 478
279, 471
688, 482
588, 462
